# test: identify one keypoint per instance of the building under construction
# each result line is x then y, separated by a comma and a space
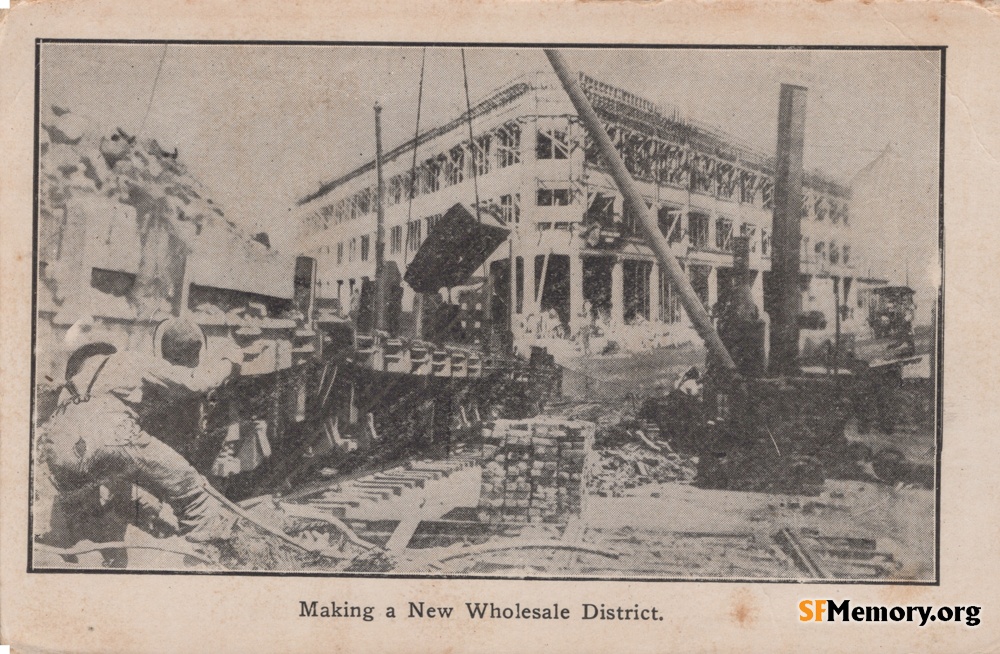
532, 165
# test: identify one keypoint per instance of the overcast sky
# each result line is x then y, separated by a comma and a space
264, 125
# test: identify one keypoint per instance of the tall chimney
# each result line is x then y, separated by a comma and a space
787, 230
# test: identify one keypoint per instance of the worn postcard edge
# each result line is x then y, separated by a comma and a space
51, 612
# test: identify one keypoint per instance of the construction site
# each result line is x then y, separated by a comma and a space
568, 333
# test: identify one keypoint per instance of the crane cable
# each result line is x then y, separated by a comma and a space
416, 142
472, 142
152, 91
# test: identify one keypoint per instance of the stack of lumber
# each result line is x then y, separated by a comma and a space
534, 470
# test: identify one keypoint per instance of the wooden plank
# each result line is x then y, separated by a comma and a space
403, 533
366, 494
339, 510
410, 482
377, 486
802, 557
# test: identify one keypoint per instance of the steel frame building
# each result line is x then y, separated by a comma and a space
535, 166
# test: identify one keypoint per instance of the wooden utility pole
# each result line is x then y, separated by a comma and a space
836, 333
380, 229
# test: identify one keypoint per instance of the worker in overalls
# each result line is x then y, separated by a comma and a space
94, 442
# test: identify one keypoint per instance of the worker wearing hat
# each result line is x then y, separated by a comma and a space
689, 382
95, 438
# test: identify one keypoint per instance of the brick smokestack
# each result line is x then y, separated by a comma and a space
787, 230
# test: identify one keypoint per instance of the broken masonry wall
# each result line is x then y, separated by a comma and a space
106, 204
118, 220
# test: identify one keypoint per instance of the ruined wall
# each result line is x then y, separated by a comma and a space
119, 218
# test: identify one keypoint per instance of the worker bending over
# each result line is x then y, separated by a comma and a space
96, 439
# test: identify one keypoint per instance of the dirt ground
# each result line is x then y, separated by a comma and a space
667, 527
900, 520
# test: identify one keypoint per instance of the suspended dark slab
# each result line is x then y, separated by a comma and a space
457, 245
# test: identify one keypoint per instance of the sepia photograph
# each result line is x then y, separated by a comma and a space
633, 313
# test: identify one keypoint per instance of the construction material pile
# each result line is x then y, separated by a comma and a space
533, 470
619, 470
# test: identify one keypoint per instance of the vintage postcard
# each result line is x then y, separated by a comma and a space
494, 337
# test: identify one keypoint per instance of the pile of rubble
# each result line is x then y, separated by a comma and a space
125, 204
534, 470
621, 469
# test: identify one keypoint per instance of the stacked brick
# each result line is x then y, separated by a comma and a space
534, 470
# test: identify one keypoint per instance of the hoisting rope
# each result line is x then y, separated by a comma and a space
416, 141
152, 91
472, 142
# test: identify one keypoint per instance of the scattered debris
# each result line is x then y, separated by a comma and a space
621, 469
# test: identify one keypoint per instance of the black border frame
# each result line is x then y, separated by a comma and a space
939, 323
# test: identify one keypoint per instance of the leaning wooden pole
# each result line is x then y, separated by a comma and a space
689, 299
